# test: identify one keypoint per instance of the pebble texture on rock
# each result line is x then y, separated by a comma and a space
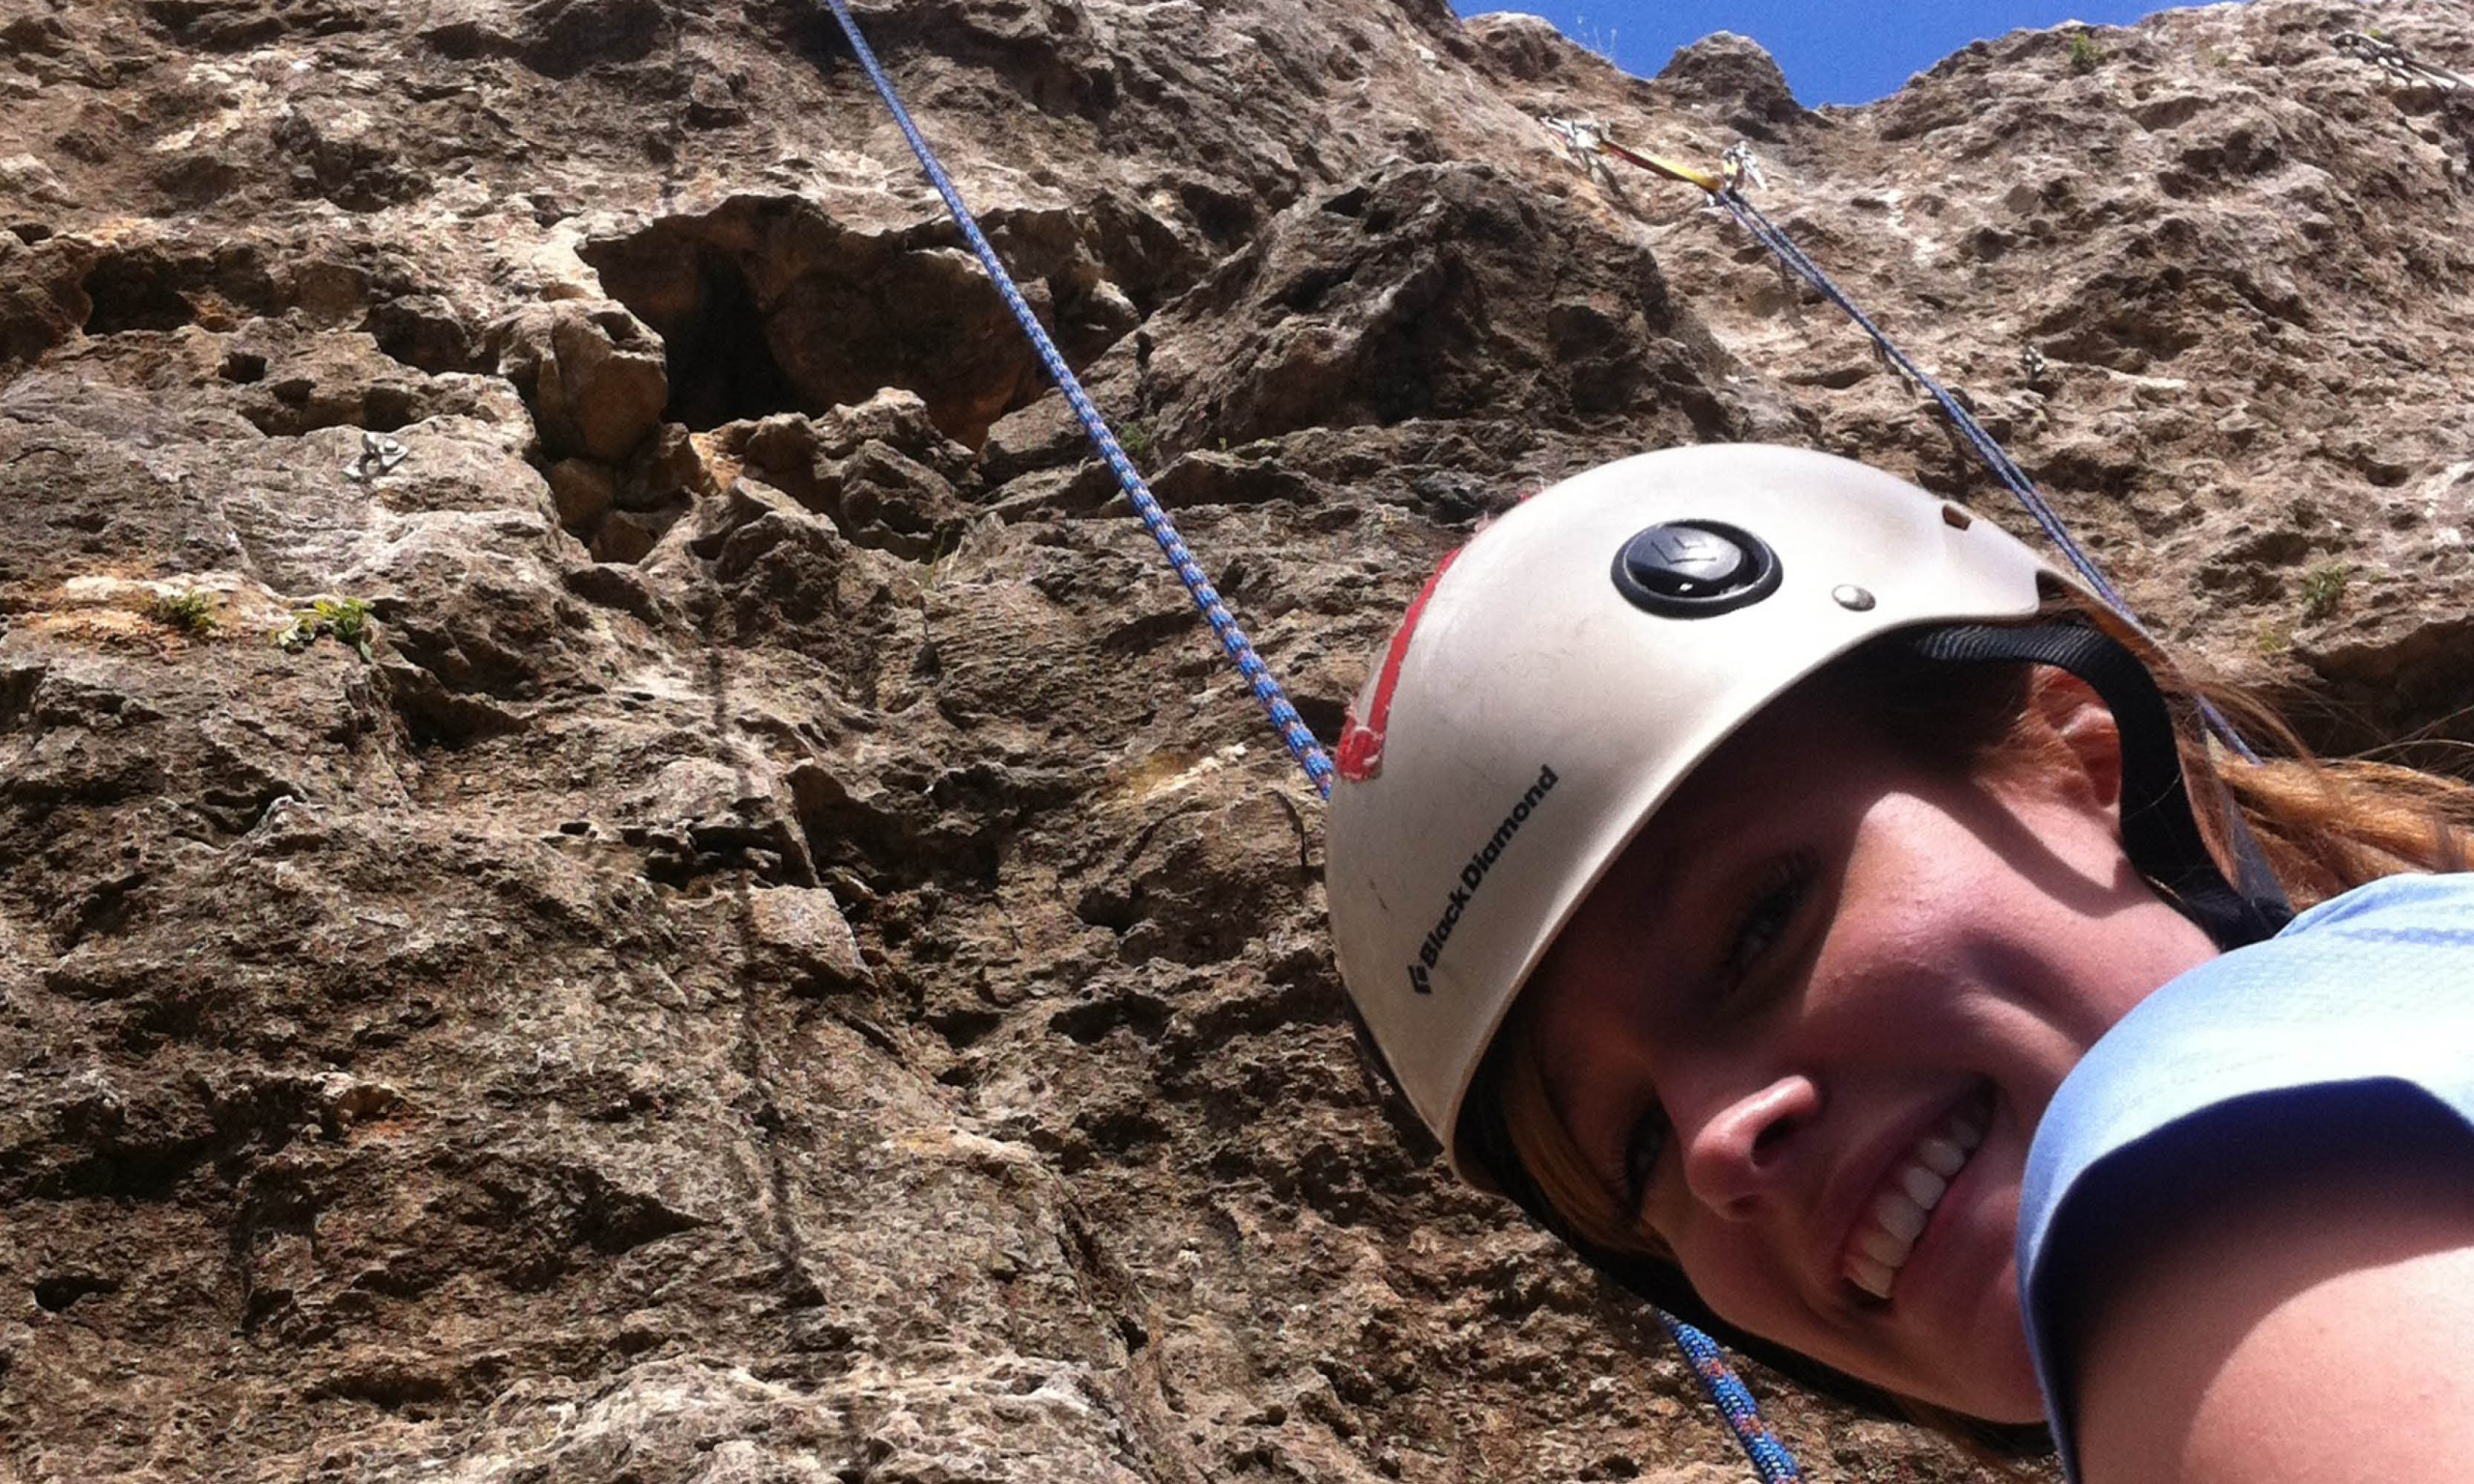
790, 958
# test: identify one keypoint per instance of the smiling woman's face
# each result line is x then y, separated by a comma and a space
1806, 1026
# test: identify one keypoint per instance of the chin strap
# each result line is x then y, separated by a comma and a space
2160, 832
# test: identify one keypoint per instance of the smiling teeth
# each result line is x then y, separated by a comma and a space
1899, 1212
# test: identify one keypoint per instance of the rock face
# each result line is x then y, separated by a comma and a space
747, 935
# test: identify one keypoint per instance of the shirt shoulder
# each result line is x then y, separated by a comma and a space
2367, 999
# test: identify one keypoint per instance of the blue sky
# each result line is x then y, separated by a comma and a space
1831, 53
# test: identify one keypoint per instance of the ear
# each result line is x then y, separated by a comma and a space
2090, 751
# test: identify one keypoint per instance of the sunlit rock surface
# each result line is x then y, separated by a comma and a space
792, 957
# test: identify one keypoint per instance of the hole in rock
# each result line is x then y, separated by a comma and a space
136, 291
436, 715
56, 1294
721, 370
1323, 715
1091, 1022
767, 305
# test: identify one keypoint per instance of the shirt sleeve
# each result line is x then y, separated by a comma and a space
2359, 1016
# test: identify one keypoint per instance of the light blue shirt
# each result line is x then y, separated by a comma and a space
2361, 1010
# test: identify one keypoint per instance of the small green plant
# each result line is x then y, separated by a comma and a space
2084, 55
942, 549
347, 621
189, 611
1135, 435
2323, 587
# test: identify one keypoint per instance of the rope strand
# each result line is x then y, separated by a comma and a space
1769, 1459
1987, 448
1293, 731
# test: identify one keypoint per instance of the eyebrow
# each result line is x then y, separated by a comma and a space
1664, 862
1666, 870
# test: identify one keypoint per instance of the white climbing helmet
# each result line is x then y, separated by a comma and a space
1559, 676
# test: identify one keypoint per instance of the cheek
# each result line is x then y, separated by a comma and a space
2130, 956
1961, 969
1905, 949
1998, 978
2096, 938
1734, 1274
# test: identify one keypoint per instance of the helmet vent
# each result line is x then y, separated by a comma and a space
1694, 569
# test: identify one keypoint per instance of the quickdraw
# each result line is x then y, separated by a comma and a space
2392, 58
1585, 140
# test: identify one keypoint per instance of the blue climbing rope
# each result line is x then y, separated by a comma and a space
1292, 728
1996, 458
1768, 1457
1726, 190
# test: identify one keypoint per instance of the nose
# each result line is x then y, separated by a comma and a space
1736, 1158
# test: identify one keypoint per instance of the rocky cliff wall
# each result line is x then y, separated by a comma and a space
753, 937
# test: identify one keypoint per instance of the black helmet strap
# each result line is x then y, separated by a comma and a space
2160, 832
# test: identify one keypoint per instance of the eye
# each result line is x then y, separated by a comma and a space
1647, 1141
1768, 912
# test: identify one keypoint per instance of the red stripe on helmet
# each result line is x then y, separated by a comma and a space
1362, 741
